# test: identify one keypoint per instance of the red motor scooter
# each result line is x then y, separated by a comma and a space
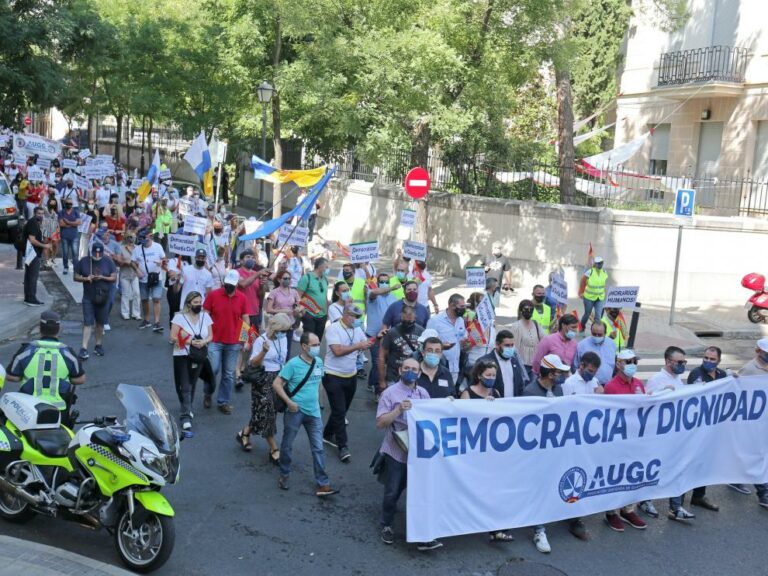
757, 305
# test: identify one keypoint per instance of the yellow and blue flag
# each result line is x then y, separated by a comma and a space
303, 178
199, 157
154, 171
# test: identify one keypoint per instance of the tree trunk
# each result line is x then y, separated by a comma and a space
128, 143
420, 138
149, 139
118, 136
143, 133
565, 137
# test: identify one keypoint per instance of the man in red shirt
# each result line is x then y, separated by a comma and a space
228, 308
251, 285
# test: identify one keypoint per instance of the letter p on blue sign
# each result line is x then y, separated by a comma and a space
684, 202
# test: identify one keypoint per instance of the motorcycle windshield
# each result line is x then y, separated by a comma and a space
146, 414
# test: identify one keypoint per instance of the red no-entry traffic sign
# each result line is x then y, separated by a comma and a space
417, 183
27, 121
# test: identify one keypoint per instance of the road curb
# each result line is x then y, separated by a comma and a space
23, 555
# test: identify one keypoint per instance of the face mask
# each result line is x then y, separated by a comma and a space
147, 242
527, 314
559, 379
314, 351
400, 275
249, 264
196, 309
285, 281
570, 335
431, 359
630, 370
325, 273
344, 296
497, 254
38, 218
708, 365
347, 274
411, 296
598, 339
460, 312
587, 376
488, 382
678, 368
384, 284
67, 206
764, 357
229, 289
96, 258
199, 263
357, 323
409, 377
599, 266
407, 324
538, 299
508, 352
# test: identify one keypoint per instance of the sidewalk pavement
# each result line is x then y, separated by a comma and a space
19, 557
16, 318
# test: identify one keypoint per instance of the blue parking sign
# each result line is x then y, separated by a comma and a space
684, 202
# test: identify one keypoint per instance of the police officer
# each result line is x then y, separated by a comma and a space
50, 369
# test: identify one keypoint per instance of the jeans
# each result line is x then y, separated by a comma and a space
223, 359
314, 325
676, 502
68, 251
31, 274
292, 421
588, 306
340, 391
185, 375
373, 374
395, 481
130, 300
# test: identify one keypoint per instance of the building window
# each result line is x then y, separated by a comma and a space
659, 150
658, 167
656, 194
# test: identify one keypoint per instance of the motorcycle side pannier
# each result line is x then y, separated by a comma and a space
753, 281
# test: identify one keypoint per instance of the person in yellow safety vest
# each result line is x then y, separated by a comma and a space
358, 291
49, 368
542, 313
592, 291
398, 279
615, 327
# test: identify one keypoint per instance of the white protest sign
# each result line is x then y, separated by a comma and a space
135, 184
19, 158
96, 161
43, 163
194, 225
408, 218
93, 172
85, 224
578, 456
31, 144
35, 174
29, 254
182, 245
485, 313
251, 226
164, 174
621, 296
106, 171
4, 140
69, 164
559, 289
82, 183
475, 277
104, 158
364, 252
293, 236
415, 250
84, 153
185, 205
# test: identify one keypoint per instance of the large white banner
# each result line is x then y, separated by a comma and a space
31, 144
478, 466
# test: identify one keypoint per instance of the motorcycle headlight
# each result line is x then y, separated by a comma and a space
155, 462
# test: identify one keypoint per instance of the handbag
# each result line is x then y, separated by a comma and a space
280, 405
153, 278
401, 439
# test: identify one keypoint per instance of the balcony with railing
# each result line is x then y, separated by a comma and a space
722, 64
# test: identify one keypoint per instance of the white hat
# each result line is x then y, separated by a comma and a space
598, 259
626, 354
231, 277
428, 333
553, 361
763, 344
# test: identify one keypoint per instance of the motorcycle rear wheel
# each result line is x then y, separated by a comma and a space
15, 509
146, 546
755, 316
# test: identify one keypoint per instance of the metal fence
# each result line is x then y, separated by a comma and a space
719, 63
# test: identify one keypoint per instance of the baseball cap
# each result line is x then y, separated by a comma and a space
353, 310
246, 252
200, 252
763, 344
50, 318
97, 249
628, 354
598, 259
231, 278
428, 333
553, 361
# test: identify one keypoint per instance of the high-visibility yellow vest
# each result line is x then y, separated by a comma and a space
396, 288
357, 293
543, 318
595, 289
611, 327
47, 361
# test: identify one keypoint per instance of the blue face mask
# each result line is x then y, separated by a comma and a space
678, 368
401, 275
383, 284
357, 323
488, 382
559, 379
598, 339
708, 365
508, 352
764, 357
431, 359
599, 265
344, 296
587, 376
570, 335
630, 370
409, 377
314, 351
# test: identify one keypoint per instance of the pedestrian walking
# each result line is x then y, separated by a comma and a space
130, 296
33, 234
98, 275
527, 334
450, 327
69, 221
150, 258
313, 295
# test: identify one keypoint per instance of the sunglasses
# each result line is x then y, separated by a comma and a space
711, 359
527, 309
681, 362
633, 361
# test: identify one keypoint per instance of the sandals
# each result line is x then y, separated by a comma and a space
244, 441
501, 536
275, 459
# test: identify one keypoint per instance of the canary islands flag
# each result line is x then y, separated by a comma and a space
199, 157
303, 178
154, 171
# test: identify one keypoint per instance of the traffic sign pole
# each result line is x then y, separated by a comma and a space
677, 270
685, 200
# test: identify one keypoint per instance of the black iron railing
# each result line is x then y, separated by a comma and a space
713, 63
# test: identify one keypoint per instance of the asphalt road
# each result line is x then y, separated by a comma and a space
232, 519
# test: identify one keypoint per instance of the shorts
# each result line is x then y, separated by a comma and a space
154, 293
93, 314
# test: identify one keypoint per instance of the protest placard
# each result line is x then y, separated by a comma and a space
475, 277
35, 174
559, 289
294, 236
34, 144
164, 174
415, 250
85, 224
408, 218
364, 252
185, 204
194, 225
104, 158
82, 183
485, 313
93, 172
69, 164
135, 184
29, 254
251, 226
106, 171
84, 153
622, 296
19, 158
182, 245
43, 163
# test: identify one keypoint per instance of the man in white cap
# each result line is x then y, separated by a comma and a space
497, 266
592, 291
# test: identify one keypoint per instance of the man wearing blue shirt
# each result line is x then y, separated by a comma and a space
379, 301
392, 316
604, 347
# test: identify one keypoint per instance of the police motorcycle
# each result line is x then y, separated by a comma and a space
105, 475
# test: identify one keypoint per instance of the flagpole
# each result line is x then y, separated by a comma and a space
218, 188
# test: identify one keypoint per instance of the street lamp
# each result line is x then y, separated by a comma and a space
264, 92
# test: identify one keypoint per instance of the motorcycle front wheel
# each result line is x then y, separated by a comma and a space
145, 546
754, 315
15, 509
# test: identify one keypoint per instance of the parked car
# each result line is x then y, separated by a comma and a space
9, 212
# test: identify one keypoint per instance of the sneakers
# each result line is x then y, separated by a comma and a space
99, 350
282, 483
681, 514
125, 317
387, 535
648, 508
66, 271
763, 501
239, 383
427, 546
614, 522
705, 503
344, 455
34, 303
157, 327
323, 491
207, 401
225, 409
633, 520
107, 327
578, 529
740, 488
541, 542
186, 429
330, 442
144, 324
83, 354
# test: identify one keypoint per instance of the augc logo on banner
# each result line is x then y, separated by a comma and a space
576, 484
